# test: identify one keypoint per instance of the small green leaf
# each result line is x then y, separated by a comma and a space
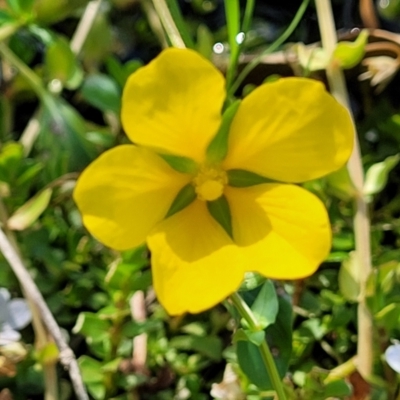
242, 178
91, 370
112, 366
349, 280
61, 64
349, 54
102, 92
210, 346
377, 175
121, 72
265, 306
185, 197
27, 214
337, 389
205, 41
219, 209
218, 147
181, 164
90, 325
63, 131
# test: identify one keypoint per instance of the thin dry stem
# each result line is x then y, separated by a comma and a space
66, 355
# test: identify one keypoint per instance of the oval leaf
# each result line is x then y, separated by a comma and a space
27, 214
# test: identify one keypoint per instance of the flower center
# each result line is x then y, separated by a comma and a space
209, 183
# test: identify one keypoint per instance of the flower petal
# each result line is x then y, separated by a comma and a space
174, 104
291, 130
124, 193
195, 263
284, 229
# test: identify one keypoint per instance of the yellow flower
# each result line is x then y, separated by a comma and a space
238, 220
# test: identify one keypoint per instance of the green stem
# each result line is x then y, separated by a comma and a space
246, 313
168, 23
33, 79
248, 16
361, 220
274, 46
237, 47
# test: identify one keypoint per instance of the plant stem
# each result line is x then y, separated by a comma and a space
270, 49
236, 48
246, 313
361, 220
248, 16
168, 23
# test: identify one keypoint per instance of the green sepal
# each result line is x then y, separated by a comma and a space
180, 164
186, 196
242, 178
349, 54
218, 148
220, 211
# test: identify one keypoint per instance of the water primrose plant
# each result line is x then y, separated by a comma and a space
273, 258
211, 190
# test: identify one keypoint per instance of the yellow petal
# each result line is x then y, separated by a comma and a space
124, 193
291, 130
195, 264
284, 229
174, 104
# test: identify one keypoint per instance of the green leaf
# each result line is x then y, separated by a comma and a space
62, 140
185, 197
218, 147
242, 178
91, 369
337, 389
265, 306
121, 72
27, 214
61, 64
205, 41
219, 209
134, 328
279, 338
349, 54
90, 325
210, 346
349, 279
102, 92
97, 390
377, 175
